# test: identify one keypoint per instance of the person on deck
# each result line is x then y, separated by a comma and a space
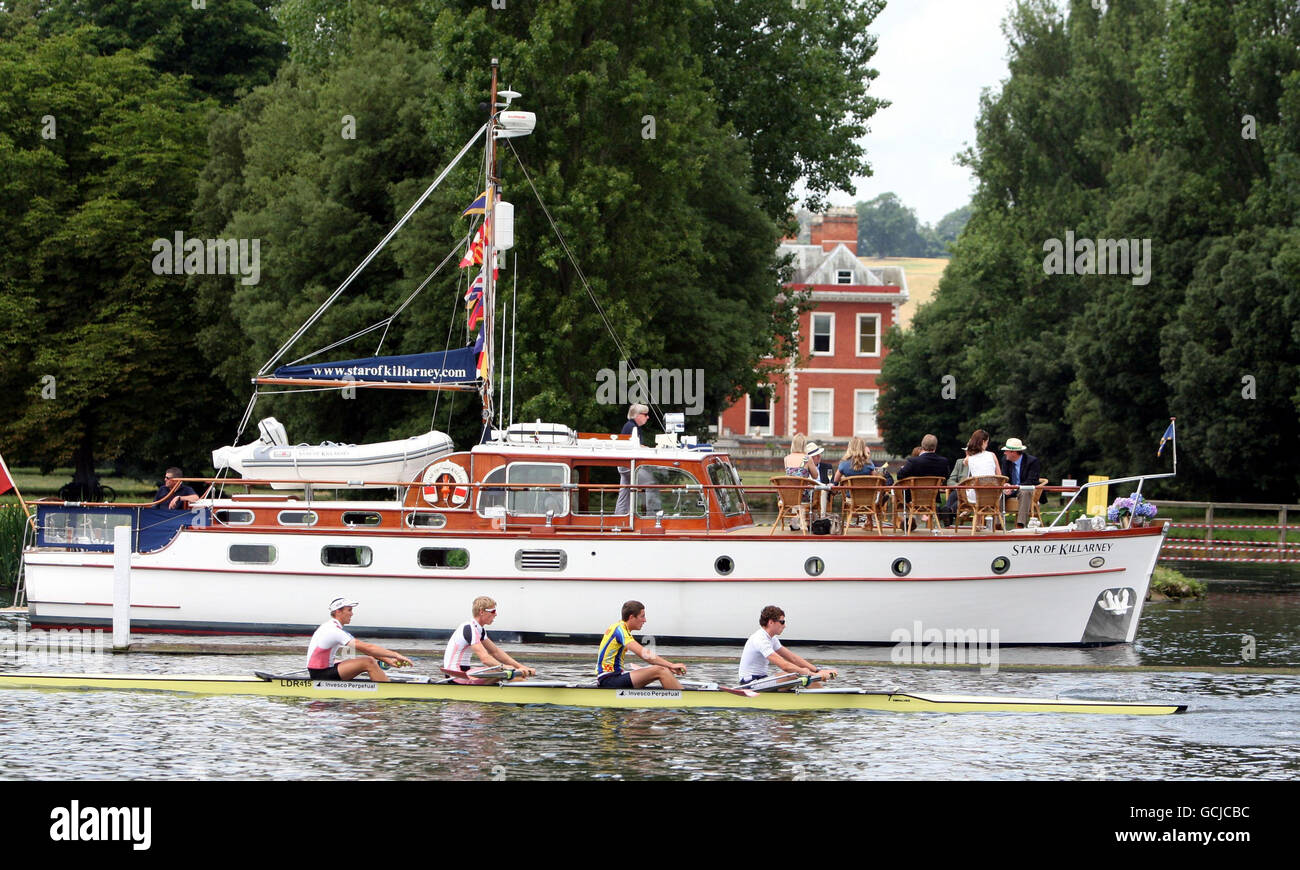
173, 494
618, 640
471, 638
637, 416
1021, 470
764, 646
330, 636
856, 460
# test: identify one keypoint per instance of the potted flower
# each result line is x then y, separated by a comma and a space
1133, 510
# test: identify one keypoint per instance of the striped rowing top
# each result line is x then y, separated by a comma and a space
459, 645
609, 658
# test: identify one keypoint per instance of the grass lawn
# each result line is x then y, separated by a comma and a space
34, 485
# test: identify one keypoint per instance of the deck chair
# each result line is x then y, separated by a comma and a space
918, 501
981, 503
790, 501
862, 499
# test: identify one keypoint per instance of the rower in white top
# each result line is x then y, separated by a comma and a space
764, 646
330, 637
471, 638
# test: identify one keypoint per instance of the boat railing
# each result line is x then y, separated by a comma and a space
1139, 479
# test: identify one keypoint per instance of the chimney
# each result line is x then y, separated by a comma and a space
837, 226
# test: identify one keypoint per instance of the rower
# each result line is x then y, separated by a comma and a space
472, 637
617, 640
764, 646
330, 636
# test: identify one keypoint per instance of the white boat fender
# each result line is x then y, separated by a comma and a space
445, 484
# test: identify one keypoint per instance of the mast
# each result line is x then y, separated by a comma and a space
489, 253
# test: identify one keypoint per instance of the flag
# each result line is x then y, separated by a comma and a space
480, 347
474, 256
6, 482
1168, 436
478, 206
475, 313
475, 291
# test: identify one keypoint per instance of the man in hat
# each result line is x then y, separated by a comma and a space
1022, 472
327, 640
637, 416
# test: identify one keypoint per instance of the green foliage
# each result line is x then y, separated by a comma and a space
1175, 584
1129, 123
13, 525
97, 159
225, 47
671, 230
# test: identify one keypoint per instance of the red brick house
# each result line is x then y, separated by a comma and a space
829, 392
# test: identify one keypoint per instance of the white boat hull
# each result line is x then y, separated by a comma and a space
1060, 588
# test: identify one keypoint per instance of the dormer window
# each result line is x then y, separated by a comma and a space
844, 276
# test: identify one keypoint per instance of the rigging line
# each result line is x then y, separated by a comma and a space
514, 320
416, 292
501, 376
248, 413
284, 348
609, 327
446, 345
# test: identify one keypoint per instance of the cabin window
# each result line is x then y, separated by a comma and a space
425, 520
345, 557
233, 518
814, 566
443, 557
678, 495
1000, 565
548, 478
297, 518
731, 500
591, 499
252, 554
361, 518
90, 527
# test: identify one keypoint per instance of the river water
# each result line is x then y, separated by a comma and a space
1241, 723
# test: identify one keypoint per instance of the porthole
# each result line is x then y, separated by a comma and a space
901, 567
424, 520
346, 557
251, 554
233, 518
297, 518
443, 557
361, 518
724, 565
1096, 561
1001, 565
814, 566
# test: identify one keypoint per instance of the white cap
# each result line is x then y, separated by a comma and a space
340, 603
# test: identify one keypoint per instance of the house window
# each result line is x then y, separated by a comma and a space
819, 411
823, 334
760, 413
844, 276
864, 413
868, 335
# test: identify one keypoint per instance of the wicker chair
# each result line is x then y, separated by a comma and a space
862, 499
985, 502
1035, 508
919, 495
790, 500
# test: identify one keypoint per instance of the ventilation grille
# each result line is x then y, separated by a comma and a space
541, 560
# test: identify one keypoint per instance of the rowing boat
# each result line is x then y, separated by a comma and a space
579, 695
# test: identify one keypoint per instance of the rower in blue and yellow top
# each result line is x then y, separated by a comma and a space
618, 640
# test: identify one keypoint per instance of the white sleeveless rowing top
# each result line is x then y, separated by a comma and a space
459, 645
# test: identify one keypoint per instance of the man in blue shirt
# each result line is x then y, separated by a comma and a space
1021, 469
173, 494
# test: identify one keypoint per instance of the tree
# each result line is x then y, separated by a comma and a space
224, 47
98, 154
